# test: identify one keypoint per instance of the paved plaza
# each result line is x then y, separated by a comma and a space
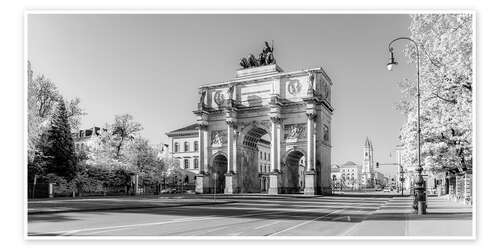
248, 215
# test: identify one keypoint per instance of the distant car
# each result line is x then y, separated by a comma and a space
387, 190
169, 191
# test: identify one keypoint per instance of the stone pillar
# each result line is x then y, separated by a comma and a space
275, 117
231, 180
275, 156
310, 173
202, 178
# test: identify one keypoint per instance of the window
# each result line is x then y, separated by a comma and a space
260, 155
196, 146
176, 147
186, 163
195, 163
186, 146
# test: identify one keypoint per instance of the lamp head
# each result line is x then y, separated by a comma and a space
392, 63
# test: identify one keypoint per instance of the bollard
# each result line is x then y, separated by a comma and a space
51, 190
421, 207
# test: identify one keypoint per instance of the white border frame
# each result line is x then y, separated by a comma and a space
255, 11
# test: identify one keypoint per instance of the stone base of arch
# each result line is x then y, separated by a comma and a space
274, 179
310, 183
231, 184
202, 184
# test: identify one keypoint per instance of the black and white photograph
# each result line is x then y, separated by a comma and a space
250, 125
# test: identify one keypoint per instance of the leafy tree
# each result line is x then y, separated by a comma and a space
123, 130
446, 92
58, 145
42, 99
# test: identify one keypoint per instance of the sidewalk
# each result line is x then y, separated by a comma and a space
397, 218
114, 203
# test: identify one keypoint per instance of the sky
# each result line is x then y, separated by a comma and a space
150, 66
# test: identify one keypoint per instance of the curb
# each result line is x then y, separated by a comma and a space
127, 208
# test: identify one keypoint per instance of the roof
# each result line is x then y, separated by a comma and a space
350, 164
189, 128
260, 77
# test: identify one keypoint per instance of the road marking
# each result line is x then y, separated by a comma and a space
105, 231
128, 226
216, 229
123, 227
266, 225
304, 223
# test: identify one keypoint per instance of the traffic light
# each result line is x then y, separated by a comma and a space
377, 164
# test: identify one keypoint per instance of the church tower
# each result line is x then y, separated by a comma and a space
368, 164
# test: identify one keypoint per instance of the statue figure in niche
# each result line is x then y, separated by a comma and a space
202, 97
230, 92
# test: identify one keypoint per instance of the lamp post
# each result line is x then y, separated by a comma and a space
419, 202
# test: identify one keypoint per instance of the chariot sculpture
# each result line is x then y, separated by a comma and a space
266, 57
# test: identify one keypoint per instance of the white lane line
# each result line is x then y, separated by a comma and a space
104, 231
130, 225
266, 225
216, 229
304, 223
69, 232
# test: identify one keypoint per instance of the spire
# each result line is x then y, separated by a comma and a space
367, 142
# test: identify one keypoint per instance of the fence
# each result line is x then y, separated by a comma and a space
41, 190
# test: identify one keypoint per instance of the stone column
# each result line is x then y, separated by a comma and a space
202, 178
310, 173
275, 117
275, 168
231, 180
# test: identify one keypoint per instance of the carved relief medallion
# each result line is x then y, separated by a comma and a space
219, 97
294, 87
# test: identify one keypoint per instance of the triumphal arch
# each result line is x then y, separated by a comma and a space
292, 110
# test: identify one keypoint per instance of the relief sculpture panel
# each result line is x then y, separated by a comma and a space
295, 131
218, 137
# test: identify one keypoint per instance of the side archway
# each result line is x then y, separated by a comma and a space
293, 180
217, 171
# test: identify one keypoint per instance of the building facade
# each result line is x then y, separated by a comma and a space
184, 147
292, 108
84, 137
350, 175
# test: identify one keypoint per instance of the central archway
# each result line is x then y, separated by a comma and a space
217, 173
293, 172
255, 160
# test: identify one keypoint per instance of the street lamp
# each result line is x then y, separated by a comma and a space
392, 63
419, 202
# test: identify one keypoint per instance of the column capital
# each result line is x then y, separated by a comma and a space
232, 123
203, 127
276, 119
311, 115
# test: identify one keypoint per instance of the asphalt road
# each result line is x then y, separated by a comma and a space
288, 216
